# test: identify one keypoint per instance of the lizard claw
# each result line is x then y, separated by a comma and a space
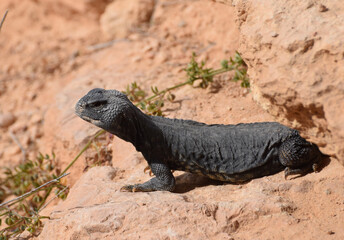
128, 188
315, 167
148, 169
135, 188
286, 172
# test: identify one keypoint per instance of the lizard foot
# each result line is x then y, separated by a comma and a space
164, 181
301, 171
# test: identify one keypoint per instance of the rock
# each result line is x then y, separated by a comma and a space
298, 76
101, 211
96, 209
6, 119
123, 17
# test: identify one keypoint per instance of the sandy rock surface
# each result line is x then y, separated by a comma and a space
53, 52
295, 53
267, 208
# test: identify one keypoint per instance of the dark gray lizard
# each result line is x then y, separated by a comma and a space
231, 153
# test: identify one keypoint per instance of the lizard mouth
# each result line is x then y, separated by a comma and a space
91, 120
79, 111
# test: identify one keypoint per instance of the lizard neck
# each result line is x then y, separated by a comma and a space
139, 129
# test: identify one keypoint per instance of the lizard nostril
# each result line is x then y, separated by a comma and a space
80, 106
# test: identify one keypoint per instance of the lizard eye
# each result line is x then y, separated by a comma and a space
98, 103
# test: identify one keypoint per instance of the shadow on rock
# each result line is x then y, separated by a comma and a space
325, 161
188, 181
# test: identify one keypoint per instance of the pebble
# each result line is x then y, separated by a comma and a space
36, 118
136, 59
6, 119
31, 95
322, 8
161, 57
147, 49
274, 34
182, 24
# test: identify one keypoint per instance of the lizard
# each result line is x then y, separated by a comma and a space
229, 153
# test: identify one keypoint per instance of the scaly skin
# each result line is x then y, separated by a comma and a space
231, 153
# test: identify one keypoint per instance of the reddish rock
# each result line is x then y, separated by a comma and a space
264, 208
295, 55
123, 17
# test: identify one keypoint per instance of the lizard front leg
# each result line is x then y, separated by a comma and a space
163, 180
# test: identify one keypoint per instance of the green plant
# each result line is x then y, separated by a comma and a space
240, 70
27, 179
196, 72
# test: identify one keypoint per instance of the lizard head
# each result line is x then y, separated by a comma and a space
107, 109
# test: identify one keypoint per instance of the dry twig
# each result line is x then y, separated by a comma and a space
16, 140
56, 196
3, 19
34, 190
